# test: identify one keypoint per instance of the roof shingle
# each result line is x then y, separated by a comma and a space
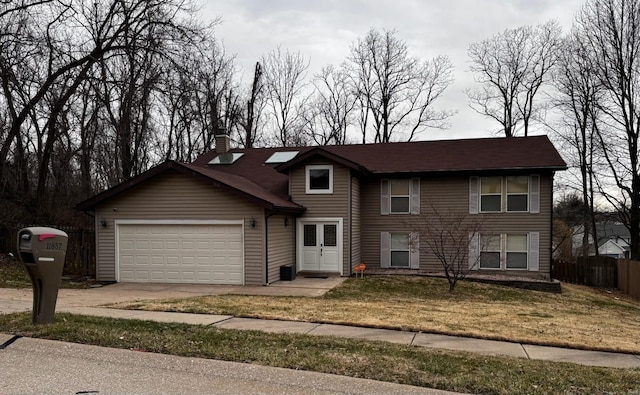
267, 184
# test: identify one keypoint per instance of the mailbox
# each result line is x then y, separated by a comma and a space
42, 251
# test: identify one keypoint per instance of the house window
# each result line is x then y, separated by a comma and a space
490, 252
400, 254
490, 194
518, 193
515, 194
517, 251
400, 196
510, 251
319, 179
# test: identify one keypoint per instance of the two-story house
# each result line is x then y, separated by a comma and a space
234, 216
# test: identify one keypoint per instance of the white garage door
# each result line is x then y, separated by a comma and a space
204, 254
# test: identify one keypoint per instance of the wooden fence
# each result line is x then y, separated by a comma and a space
605, 272
629, 277
594, 271
81, 248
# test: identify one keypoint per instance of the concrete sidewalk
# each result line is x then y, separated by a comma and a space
88, 302
427, 340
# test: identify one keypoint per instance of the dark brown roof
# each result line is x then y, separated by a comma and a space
471, 155
235, 184
532, 153
267, 184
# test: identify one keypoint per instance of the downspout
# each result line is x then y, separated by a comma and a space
350, 230
551, 229
266, 248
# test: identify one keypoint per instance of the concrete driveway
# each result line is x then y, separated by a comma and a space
17, 300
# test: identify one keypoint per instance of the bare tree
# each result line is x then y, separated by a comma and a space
330, 110
284, 76
250, 118
512, 67
59, 44
453, 237
127, 83
48, 51
578, 97
396, 90
610, 30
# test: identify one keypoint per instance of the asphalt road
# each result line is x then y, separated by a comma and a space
35, 366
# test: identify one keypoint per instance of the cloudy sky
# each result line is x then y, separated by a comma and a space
323, 31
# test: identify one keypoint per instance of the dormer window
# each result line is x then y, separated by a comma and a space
319, 179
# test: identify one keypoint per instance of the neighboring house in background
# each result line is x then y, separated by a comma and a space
235, 216
614, 239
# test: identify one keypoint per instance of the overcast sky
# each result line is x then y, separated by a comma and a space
323, 31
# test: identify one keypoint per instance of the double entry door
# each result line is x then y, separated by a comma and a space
320, 246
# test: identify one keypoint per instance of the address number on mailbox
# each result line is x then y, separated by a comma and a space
54, 246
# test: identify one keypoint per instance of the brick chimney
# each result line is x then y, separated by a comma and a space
223, 142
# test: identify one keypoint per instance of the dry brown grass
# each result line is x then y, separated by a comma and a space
580, 317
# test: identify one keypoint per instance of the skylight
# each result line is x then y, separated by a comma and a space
226, 158
281, 157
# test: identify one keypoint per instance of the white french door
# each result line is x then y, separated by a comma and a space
320, 243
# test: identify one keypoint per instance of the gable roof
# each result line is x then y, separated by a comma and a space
608, 230
237, 185
468, 155
268, 184
532, 153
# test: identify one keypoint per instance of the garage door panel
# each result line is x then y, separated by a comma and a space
208, 254
187, 245
171, 245
172, 260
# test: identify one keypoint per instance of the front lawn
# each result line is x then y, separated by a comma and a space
453, 371
580, 317
14, 275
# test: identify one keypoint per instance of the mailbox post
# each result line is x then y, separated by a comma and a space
43, 250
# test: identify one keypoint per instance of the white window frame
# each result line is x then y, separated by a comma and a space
386, 196
307, 176
532, 251
480, 195
475, 195
506, 188
407, 196
408, 250
413, 245
507, 251
484, 249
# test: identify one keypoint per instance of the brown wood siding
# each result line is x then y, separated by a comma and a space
281, 244
334, 205
452, 193
173, 196
356, 256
